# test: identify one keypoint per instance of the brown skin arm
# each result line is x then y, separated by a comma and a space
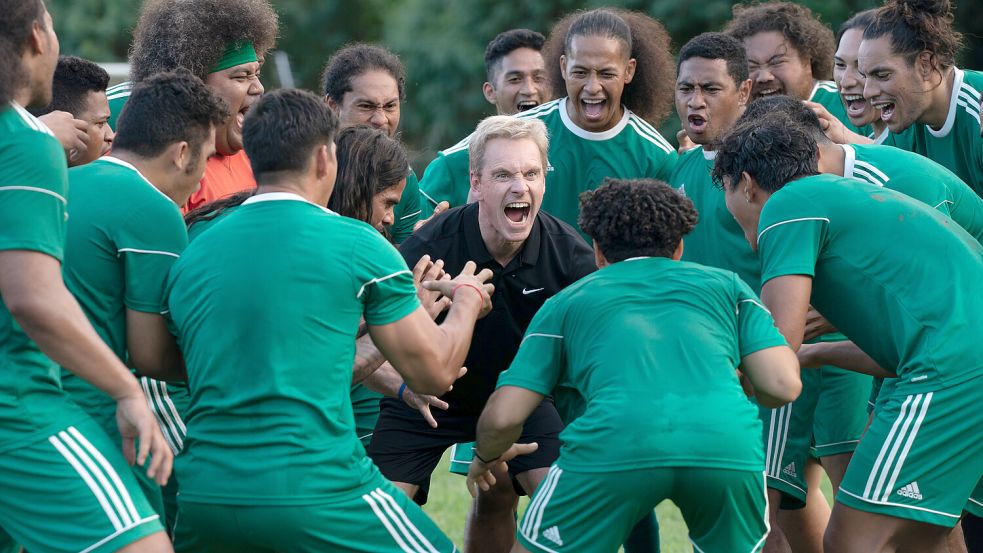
499, 426
153, 350
33, 291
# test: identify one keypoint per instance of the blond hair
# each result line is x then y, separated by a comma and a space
508, 127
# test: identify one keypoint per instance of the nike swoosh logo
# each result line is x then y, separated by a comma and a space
526, 292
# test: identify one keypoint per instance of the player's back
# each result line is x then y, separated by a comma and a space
652, 345
267, 304
919, 177
891, 273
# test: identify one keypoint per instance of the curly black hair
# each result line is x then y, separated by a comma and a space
16, 20
651, 92
166, 108
354, 60
195, 34
636, 217
507, 42
803, 29
718, 46
774, 150
74, 79
793, 108
916, 26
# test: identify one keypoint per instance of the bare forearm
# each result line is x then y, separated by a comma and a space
60, 329
368, 359
385, 381
457, 330
493, 438
844, 354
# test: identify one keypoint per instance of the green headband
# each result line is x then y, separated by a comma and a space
236, 53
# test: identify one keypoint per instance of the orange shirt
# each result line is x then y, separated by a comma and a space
224, 175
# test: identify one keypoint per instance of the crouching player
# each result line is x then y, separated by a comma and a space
651, 344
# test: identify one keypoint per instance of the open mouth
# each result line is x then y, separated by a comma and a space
517, 212
887, 110
240, 117
765, 92
593, 109
697, 123
856, 104
526, 104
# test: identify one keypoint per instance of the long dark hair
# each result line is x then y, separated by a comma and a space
16, 20
368, 163
916, 26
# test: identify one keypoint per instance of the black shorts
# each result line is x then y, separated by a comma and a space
406, 449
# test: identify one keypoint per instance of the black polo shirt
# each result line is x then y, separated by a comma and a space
553, 257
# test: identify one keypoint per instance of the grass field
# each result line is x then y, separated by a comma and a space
449, 502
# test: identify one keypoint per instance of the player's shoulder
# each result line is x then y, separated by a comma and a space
640, 130
557, 229
968, 96
545, 111
458, 149
824, 91
20, 128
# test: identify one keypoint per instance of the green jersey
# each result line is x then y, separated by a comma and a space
578, 160
652, 345
116, 259
33, 192
919, 177
408, 210
267, 304
871, 253
717, 240
117, 96
957, 145
827, 94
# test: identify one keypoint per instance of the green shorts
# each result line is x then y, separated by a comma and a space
72, 491
787, 438
921, 458
841, 414
725, 510
376, 519
365, 407
461, 457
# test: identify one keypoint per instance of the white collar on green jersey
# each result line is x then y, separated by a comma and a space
950, 118
879, 139
284, 196
709, 155
636, 258
587, 135
121, 163
849, 160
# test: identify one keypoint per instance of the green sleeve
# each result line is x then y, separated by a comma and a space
33, 195
539, 363
665, 171
408, 210
447, 178
792, 232
149, 246
755, 326
384, 284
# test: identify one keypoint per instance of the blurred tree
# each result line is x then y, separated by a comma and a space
441, 43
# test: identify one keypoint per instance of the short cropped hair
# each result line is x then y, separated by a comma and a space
507, 42
166, 108
357, 59
194, 34
793, 108
718, 46
632, 218
806, 33
74, 79
774, 151
282, 129
508, 127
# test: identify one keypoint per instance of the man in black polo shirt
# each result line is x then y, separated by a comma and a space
533, 255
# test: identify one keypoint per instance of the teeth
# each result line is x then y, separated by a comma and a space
517, 205
593, 101
852, 97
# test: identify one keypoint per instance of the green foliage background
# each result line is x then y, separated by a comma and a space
441, 43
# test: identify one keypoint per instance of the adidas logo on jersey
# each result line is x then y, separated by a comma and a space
790, 469
911, 490
553, 534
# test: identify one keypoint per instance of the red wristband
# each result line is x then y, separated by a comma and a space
471, 286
